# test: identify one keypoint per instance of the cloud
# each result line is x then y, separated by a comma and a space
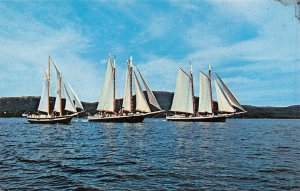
259, 65
156, 27
25, 46
251, 44
185, 5
200, 36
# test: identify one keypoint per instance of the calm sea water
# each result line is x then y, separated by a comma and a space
241, 154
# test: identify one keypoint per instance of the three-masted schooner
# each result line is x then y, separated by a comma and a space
59, 114
107, 110
184, 100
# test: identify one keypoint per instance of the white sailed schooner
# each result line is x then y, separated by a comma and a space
107, 111
59, 114
184, 100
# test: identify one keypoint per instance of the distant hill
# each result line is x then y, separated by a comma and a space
15, 106
290, 112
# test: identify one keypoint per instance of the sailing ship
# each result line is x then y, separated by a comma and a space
184, 107
107, 110
59, 114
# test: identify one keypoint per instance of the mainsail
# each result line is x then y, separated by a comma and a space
57, 105
127, 95
223, 102
204, 96
150, 94
183, 99
44, 103
233, 101
141, 102
106, 102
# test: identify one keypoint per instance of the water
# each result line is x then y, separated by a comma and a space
241, 154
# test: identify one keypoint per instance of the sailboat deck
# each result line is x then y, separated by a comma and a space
202, 118
131, 118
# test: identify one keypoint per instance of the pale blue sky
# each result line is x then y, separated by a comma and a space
253, 45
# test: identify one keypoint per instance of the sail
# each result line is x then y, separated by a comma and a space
43, 104
183, 98
223, 102
204, 96
73, 96
127, 99
233, 101
106, 102
150, 94
141, 102
57, 104
69, 106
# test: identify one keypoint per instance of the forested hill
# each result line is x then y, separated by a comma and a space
15, 106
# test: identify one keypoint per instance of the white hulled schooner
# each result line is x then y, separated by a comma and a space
107, 111
59, 114
184, 107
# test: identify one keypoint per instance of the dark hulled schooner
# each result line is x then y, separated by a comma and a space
59, 114
183, 104
107, 111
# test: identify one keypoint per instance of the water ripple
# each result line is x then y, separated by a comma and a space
240, 154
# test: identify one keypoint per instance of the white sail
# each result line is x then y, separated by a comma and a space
69, 106
183, 99
73, 96
127, 99
233, 101
106, 102
150, 94
204, 96
141, 102
44, 103
57, 104
223, 102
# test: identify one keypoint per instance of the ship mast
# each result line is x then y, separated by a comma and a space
114, 82
192, 80
210, 88
60, 94
130, 82
48, 81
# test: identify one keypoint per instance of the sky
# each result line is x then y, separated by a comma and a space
253, 45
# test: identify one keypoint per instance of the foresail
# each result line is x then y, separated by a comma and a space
204, 96
106, 102
223, 102
141, 102
43, 104
69, 106
233, 101
127, 99
74, 96
183, 99
150, 94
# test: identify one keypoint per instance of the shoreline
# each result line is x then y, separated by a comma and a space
16, 106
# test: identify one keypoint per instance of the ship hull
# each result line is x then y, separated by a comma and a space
154, 113
118, 119
215, 118
49, 120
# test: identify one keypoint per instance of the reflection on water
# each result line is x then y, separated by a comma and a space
236, 155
